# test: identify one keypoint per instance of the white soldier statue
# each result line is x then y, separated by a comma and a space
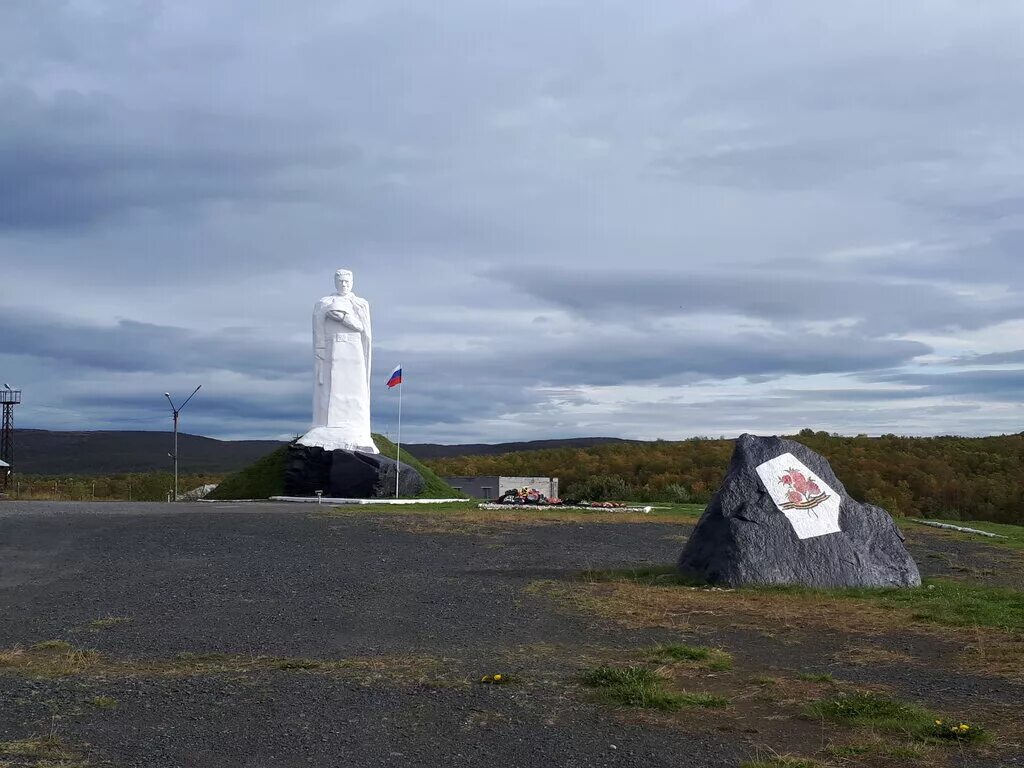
341, 376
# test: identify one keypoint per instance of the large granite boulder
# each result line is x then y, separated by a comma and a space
347, 474
783, 517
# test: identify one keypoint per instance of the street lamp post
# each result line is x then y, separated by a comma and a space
176, 411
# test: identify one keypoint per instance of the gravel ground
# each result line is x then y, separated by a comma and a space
431, 610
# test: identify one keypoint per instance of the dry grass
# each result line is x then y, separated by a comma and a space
870, 745
677, 607
52, 658
108, 622
644, 602
57, 660
871, 655
989, 653
782, 761
47, 751
465, 518
647, 600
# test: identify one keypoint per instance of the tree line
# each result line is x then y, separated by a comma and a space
949, 477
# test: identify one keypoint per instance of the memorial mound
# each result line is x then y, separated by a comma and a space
783, 517
347, 474
270, 476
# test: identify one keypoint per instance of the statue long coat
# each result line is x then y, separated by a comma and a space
341, 386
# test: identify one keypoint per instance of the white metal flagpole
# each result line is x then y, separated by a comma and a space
398, 450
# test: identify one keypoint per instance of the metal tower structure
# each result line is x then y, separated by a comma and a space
8, 399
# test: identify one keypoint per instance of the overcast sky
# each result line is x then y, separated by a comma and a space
650, 220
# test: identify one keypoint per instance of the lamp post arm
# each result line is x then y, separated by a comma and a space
191, 396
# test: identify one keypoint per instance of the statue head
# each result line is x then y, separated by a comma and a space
343, 281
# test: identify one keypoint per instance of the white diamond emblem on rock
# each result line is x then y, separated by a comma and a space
811, 507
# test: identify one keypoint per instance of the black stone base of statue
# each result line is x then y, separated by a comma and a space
347, 474
743, 539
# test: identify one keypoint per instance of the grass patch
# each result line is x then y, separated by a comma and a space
296, 664
715, 658
104, 702
782, 762
817, 677
953, 604
260, 480
880, 748
947, 603
49, 659
52, 645
435, 488
1014, 533
636, 686
107, 622
465, 516
47, 751
447, 508
652, 574
681, 653
871, 710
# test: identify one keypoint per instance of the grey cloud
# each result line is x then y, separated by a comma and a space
605, 357
879, 307
209, 404
1003, 385
1016, 357
74, 159
129, 346
789, 165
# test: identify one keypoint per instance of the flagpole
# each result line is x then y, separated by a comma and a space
398, 450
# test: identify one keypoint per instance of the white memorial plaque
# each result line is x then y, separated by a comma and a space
811, 507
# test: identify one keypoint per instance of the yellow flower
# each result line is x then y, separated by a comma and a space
938, 722
964, 727
497, 678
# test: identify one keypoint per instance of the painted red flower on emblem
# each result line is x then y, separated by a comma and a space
803, 491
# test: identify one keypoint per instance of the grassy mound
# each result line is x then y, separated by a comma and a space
260, 480
265, 478
436, 488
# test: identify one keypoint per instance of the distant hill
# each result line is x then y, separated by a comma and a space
42, 452
426, 451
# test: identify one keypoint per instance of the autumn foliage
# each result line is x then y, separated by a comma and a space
951, 477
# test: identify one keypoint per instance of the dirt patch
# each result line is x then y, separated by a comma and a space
483, 521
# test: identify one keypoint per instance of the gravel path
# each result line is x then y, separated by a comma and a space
427, 611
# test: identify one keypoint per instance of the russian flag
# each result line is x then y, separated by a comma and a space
396, 377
